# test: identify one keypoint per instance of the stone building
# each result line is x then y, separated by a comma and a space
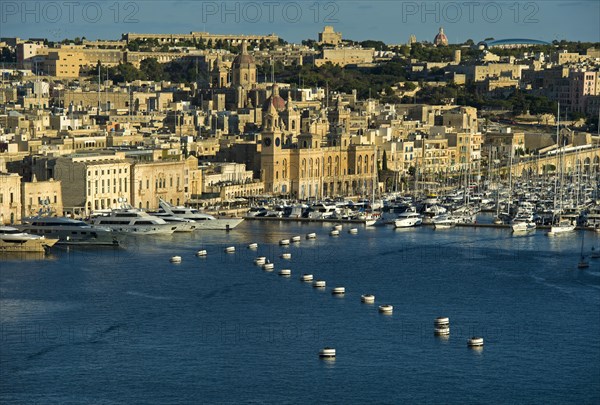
329, 36
36, 195
92, 181
311, 166
10, 198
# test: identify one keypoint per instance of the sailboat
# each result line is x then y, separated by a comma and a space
563, 225
583, 263
373, 217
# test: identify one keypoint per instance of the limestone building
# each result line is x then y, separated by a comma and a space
329, 36
92, 181
10, 198
310, 166
36, 195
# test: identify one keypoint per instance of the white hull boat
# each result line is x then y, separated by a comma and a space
14, 240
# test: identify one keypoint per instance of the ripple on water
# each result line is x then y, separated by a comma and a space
21, 309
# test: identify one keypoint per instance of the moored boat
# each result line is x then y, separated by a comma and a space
15, 240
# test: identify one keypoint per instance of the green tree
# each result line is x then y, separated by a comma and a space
152, 70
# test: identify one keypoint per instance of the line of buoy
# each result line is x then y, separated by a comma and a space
334, 232
201, 253
286, 256
285, 272
311, 236
268, 266
284, 242
296, 239
319, 284
386, 309
475, 342
327, 352
337, 227
306, 278
175, 259
367, 298
338, 291
441, 326
260, 260
353, 231
253, 246
230, 249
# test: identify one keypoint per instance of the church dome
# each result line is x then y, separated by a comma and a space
276, 100
440, 39
244, 58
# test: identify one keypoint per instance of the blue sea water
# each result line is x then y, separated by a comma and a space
122, 326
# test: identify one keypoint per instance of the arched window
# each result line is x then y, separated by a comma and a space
245, 76
277, 175
359, 165
303, 172
329, 166
293, 124
366, 164
310, 167
337, 165
284, 169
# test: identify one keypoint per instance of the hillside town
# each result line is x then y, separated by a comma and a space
218, 121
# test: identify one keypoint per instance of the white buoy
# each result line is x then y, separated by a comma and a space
337, 227
311, 236
338, 291
334, 232
268, 266
327, 352
367, 298
284, 242
475, 342
201, 253
230, 249
441, 326
260, 260
285, 272
253, 246
296, 239
386, 309
175, 259
353, 231
306, 277
319, 284
286, 256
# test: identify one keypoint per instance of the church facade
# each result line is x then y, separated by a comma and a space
307, 165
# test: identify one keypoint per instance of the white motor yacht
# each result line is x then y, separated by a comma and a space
322, 211
181, 224
69, 231
445, 221
563, 226
523, 223
133, 221
203, 221
408, 219
15, 240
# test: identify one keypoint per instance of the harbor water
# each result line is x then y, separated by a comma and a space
124, 325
